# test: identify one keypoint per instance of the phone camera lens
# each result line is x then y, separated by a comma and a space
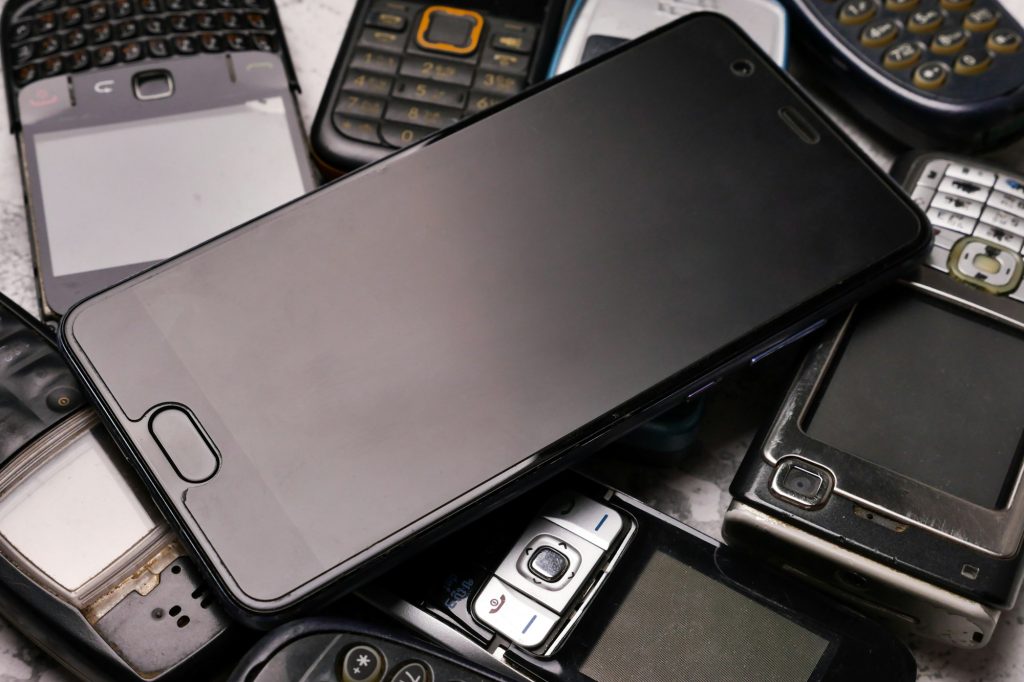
63, 399
742, 68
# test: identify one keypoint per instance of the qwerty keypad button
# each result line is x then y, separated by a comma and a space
149, 6
71, 17
367, 84
506, 62
131, 51
122, 8
924, 21
981, 19
431, 93
257, 21
931, 75
74, 38
391, 21
185, 45
902, 56
955, 204
963, 188
104, 56
1007, 203
379, 39
45, 23
236, 41
79, 60
206, 21
180, 23
1003, 220
437, 70
25, 74
157, 48
855, 12
956, 5
420, 114
976, 175
51, 66
364, 131
1003, 41
263, 43
880, 33
23, 54
972, 63
211, 42
497, 83
480, 101
126, 30
100, 34
230, 20
358, 105
97, 12
949, 41
999, 236
47, 46
21, 31
372, 60
154, 27
398, 135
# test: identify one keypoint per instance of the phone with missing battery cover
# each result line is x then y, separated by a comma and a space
891, 473
89, 570
435, 348
578, 582
145, 127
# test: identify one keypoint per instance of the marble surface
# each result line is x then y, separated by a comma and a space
694, 489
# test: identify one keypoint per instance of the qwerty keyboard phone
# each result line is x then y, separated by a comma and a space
407, 69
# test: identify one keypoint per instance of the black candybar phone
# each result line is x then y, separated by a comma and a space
409, 68
891, 473
439, 350
349, 650
145, 127
579, 582
945, 74
89, 570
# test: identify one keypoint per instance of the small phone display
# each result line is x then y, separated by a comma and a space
601, 588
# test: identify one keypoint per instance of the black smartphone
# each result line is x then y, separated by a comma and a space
348, 649
409, 68
145, 127
891, 472
89, 570
577, 582
944, 74
336, 384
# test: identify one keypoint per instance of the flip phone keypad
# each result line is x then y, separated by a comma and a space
944, 48
977, 218
536, 585
418, 67
51, 37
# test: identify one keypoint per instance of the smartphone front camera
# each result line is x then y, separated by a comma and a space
742, 68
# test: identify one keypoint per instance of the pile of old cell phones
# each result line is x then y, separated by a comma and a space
282, 390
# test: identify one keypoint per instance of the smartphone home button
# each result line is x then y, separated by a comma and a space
184, 444
153, 84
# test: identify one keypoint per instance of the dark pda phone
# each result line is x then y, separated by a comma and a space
891, 472
407, 69
353, 650
145, 127
577, 581
89, 570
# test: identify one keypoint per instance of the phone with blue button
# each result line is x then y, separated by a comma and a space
145, 127
578, 581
